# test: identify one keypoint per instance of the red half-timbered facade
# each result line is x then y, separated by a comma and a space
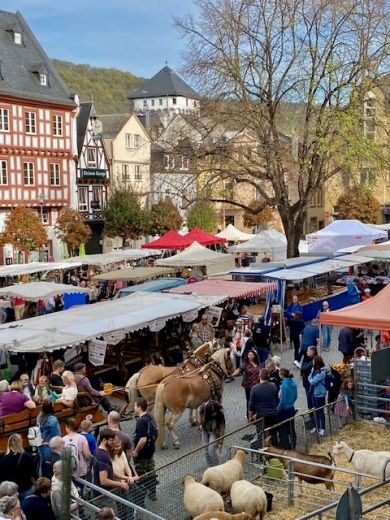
37, 136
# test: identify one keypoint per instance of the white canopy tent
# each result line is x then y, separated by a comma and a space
36, 267
197, 255
70, 327
342, 234
34, 291
114, 256
232, 234
269, 241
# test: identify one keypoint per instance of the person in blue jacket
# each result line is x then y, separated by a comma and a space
286, 409
292, 308
318, 389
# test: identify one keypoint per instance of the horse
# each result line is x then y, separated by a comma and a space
144, 382
189, 391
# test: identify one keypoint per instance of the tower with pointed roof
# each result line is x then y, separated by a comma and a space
165, 95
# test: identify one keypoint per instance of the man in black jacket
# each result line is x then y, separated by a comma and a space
306, 368
263, 404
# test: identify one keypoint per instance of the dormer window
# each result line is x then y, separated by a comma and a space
43, 80
18, 38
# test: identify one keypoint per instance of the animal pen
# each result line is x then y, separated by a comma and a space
290, 499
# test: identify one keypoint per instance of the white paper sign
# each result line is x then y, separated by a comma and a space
115, 337
215, 314
71, 353
97, 352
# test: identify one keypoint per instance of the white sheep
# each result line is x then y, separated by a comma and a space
365, 461
200, 499
221, 478
248, 498
220, 515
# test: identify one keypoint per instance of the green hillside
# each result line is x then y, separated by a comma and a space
108, 88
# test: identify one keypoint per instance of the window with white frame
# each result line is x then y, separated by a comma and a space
55, 174
145, 103
44, 215
31, 122
83, 198
18, 38
43, 80
3, 172
57, 125
4, 120
91, 157
152, 102
129, 140
28, 173
97, 196
137, 173
160, 102
174, 101
137, 140
125, 172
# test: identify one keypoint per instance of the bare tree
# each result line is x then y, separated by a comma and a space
255, 59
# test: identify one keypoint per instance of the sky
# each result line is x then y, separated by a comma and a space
132, 35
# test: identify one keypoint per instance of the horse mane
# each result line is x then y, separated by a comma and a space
220, 357
206, 348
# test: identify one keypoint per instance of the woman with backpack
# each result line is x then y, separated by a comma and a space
318, 389
49, 427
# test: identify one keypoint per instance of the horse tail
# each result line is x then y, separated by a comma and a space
131, 389
159, 414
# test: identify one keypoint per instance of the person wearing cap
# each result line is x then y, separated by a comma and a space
366, 295
84, 385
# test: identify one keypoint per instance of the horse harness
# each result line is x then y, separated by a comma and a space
194, 360
214, 375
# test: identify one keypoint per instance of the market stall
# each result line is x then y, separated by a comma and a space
162, 284
232, 234
270, 244
137, 311
118, 255
201, 237
237, 290
36, 267
314, 283
134, 274
371, 314
197, 256
171, 240
35, 291
341, 234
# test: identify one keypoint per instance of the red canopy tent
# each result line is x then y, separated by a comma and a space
203, 238
171, 240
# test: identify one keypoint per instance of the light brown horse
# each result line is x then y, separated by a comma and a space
189, 391
144, 382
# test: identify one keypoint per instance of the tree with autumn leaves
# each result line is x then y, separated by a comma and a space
71, 229
164, 216
358, 203
23, 230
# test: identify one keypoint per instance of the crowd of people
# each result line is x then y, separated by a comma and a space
32, 488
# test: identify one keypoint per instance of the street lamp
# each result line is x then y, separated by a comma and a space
41, 198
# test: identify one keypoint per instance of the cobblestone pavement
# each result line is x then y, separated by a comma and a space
234, 406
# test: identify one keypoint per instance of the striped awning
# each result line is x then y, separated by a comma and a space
225, 287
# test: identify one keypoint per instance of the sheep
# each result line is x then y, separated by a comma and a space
220, 515
373, 463
200, 499
221, 478
248, 498
307, 472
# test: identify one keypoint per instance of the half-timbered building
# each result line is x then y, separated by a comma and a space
92, 174
37, 138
